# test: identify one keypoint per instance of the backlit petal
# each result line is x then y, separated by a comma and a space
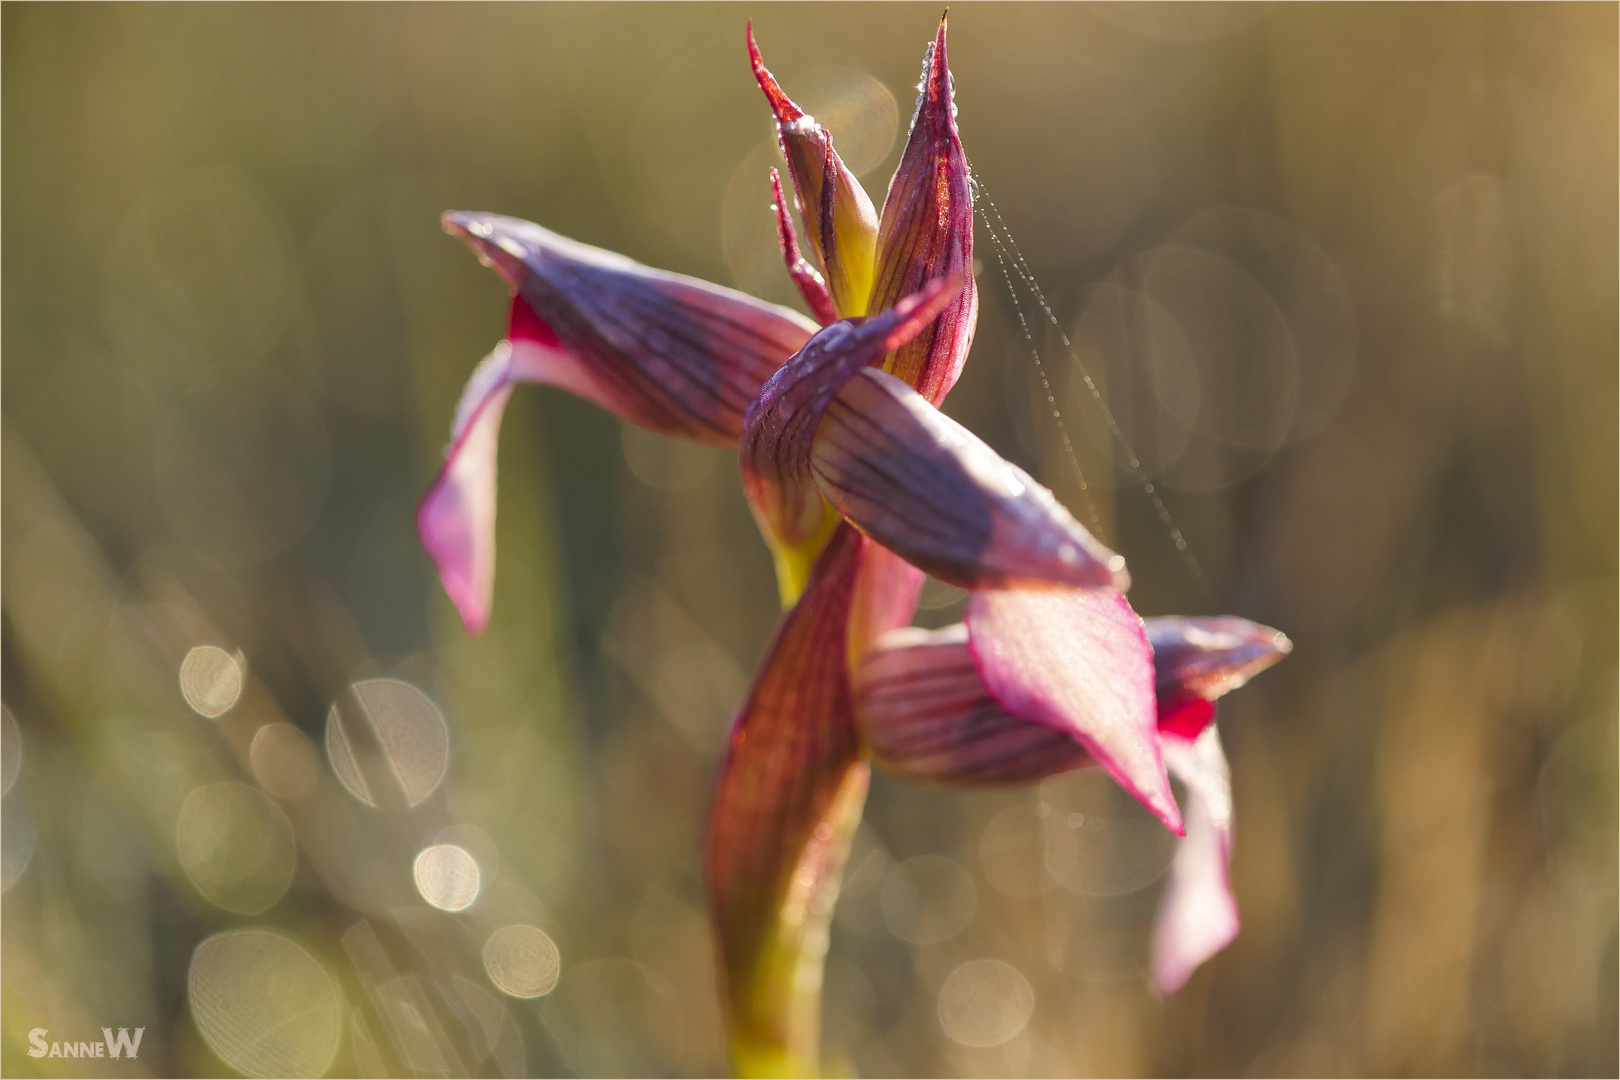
1208, 657
1198, 915
924, 486
672, 353
1078, 661
927, 231
787, 798
456, 517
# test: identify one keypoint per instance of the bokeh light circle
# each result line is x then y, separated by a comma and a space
211, 680
10, 750
447, 877
985, 1003
522, 960
284, 761
236, 847
387, 740
264, 1004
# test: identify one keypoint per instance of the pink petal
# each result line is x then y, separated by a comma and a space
1198, 916
923, 709
1078, 661
672, 353
456, 517
924, 486
786, 801
927, 231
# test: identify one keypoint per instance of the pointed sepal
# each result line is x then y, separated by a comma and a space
926, 231
840, 223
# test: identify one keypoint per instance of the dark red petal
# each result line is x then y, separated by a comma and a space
806, 279
672, 353
1078, 661
922, 707
924, 486
786, 800
1198, 915
927, 231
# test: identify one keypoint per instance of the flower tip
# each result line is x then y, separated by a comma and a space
1281, 644
1121, 576
782, 105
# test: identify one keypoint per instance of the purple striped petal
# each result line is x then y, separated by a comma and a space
1198, 916
672, 353
922, 707
1077, 661
839, 221
927, 232
781, 424
1208, 657
924, 486
787, 797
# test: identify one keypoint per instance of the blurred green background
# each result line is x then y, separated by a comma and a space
1345, 275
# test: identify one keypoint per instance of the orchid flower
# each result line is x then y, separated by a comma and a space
861, 486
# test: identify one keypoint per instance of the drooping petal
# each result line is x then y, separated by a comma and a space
839, 222
927, 231
1198, 915
923, 708
780, 425
456, 517
924, 486
1208, 657
786, 801
805, 277
672, 353
1078, 661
